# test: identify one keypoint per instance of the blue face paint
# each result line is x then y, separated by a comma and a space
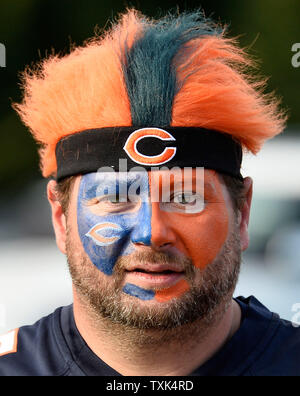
139, 292
108, 227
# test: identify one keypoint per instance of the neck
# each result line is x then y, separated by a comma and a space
172, 352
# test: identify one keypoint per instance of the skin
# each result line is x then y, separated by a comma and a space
199, 236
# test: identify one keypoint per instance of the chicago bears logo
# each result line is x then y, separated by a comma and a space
132, 141
101, 240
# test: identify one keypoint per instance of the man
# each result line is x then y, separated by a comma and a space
143, 130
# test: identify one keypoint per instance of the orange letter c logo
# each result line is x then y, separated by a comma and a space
136, 136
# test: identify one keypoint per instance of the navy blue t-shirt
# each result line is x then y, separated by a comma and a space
264, 345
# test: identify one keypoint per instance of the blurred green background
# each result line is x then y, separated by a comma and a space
31, 29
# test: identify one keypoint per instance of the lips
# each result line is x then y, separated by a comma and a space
155, 268
154, 276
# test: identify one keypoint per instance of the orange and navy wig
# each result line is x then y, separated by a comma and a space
178, 71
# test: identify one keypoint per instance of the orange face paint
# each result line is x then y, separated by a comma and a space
199, 236
172, 292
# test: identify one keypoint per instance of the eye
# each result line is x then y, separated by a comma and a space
115, 199
184, 202
184, 199
112, 203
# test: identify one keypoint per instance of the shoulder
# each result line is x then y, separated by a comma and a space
279, 351
282, 355
33, 350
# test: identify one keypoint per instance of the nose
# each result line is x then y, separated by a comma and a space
153, 229
163, 236
141, 234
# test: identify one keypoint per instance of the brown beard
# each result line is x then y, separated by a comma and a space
104, 297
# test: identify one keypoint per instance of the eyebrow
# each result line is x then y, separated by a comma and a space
207, 185
91, 191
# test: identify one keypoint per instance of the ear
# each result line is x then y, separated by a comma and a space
245, 213
58, 217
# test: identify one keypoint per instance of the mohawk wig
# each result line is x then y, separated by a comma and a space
177, 71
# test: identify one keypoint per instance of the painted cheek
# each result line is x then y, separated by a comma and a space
177, 290
205, 234
198, 236
102, 240
105, 238
214, 231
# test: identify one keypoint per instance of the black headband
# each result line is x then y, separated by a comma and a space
87, 151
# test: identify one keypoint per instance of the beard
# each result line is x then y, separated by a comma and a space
211, 288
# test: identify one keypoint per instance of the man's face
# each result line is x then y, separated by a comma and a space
151, 254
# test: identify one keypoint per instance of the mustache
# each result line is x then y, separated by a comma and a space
153, 257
